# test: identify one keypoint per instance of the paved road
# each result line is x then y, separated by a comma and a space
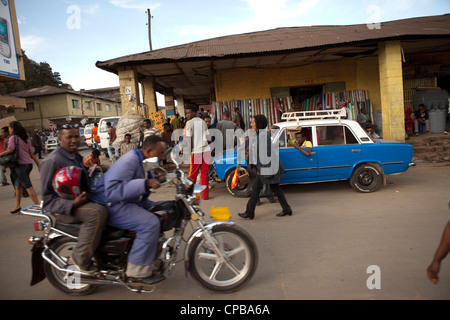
322, 252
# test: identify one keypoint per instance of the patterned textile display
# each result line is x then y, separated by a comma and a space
158, 120
273, 108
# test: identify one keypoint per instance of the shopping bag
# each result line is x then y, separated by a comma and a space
235, 179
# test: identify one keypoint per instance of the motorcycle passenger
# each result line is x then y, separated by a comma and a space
126, 188
93, 216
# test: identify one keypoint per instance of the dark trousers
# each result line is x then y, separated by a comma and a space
256, 190
93, 217
38, 150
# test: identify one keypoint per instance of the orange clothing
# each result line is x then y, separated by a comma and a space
94, 134
90, 161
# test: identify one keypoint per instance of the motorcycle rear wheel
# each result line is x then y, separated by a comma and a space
67, 283
230, 274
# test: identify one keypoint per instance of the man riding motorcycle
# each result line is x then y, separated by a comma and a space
78, 209
125, 189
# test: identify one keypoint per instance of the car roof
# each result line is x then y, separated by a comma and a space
300, 119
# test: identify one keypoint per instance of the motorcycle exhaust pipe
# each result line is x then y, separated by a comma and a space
90, 278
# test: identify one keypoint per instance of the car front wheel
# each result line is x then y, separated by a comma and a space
366, 178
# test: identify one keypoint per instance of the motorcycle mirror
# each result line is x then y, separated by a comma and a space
175, 155
150, 163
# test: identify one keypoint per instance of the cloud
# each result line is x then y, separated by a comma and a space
280, 10
135, 4
262, 15
33, 44
90, 8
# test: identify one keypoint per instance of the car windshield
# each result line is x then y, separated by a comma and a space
274, 131
104, 128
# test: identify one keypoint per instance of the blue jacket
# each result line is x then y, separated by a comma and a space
124, 182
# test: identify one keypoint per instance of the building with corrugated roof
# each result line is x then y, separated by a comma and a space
378, 66
50, 107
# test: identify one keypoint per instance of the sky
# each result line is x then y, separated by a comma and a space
73, 35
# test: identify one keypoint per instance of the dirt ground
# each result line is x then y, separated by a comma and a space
325, 251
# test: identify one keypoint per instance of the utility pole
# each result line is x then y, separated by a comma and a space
149, 24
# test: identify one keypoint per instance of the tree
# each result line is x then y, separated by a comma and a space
36, 75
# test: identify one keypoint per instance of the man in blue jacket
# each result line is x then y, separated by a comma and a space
125, 189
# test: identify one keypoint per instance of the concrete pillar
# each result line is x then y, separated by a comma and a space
170, 102
149, 94
129, 89
391, 90
180, 106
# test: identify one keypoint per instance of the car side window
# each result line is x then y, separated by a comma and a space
291, 135
331, 135
350, 137
335, 135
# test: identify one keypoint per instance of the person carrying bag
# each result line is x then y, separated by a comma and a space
10, 160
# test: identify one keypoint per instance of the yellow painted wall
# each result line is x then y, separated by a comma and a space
256, 83
59, 106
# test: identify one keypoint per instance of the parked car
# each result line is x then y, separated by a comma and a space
87, 134
51, 144
342, 150
83, 139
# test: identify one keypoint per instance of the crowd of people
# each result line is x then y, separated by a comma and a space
122, 194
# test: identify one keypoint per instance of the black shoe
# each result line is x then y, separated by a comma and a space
151, 281
283, 213
246, 215
15, 211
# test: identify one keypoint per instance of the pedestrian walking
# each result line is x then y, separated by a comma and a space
3, 139
112, 138
19, 139
36, 142
197, 130
269, 169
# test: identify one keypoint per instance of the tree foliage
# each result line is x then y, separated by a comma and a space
36, 75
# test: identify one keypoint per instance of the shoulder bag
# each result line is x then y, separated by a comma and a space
10, 160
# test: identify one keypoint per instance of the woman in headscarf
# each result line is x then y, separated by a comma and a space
19, 139
268, 167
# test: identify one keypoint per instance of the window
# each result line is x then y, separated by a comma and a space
108, 107
335, 135
75, 104
282, 140
350, 137
30, 107
88, 105
99, 106
291, 135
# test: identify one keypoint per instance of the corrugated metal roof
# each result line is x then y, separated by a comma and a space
50, 90
288, 39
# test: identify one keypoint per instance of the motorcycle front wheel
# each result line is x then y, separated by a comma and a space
67, 282
229, 272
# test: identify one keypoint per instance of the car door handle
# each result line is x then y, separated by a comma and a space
356, 150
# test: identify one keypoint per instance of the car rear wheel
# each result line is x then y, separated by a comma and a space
366, 178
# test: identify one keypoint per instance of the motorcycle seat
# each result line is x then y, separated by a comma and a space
73, 229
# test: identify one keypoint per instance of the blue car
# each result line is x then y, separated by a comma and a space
342, 150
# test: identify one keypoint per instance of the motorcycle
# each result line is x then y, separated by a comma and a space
219, 255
